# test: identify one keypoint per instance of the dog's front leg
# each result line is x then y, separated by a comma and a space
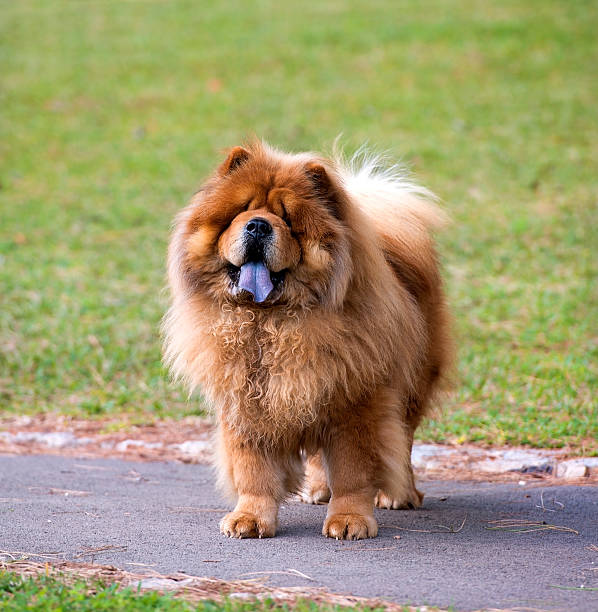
258, 483
351, 464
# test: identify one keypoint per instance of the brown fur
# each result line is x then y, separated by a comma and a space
342, 360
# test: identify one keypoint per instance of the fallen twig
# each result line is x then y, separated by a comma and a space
443, 528
55, 491
22, 556
554, 501
568, 588
542, 506
366, 549
522, 526
414, 530
452, 529
94, 551
193, 509
288, 572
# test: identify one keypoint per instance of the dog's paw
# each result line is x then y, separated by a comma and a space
315, 494
246, 525
411, 500
350, 527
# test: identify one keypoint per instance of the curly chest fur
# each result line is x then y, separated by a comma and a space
264, 379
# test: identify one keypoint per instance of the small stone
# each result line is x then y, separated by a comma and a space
241, 595
572, 469
164, 584
544, 468
56, 439
192, 448
125, 444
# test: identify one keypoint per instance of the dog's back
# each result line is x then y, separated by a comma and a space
405, 216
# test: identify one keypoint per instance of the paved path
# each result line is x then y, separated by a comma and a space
163, 515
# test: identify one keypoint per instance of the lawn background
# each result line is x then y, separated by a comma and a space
112, 111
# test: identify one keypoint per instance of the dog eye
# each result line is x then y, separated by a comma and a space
285, 215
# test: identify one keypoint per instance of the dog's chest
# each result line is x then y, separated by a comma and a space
257, 358
267, 379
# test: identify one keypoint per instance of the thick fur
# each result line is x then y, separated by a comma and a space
340, 363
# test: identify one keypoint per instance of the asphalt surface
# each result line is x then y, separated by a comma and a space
166, 515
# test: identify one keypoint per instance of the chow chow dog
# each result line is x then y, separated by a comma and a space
308, 306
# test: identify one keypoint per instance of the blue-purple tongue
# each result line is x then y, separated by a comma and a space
255, 278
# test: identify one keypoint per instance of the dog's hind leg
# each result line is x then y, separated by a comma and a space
315, 488
399, 490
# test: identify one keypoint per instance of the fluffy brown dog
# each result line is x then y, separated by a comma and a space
308, 306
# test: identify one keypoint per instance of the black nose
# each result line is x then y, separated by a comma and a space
258, 228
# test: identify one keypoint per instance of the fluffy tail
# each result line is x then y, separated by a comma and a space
386, 195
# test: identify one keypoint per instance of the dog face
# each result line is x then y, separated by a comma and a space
268, 229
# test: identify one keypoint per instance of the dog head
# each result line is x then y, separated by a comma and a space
266, 229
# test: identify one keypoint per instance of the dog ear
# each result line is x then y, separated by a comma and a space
324, 187
237, 157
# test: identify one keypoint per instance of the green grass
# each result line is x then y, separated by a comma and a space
113, 111
47, 593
